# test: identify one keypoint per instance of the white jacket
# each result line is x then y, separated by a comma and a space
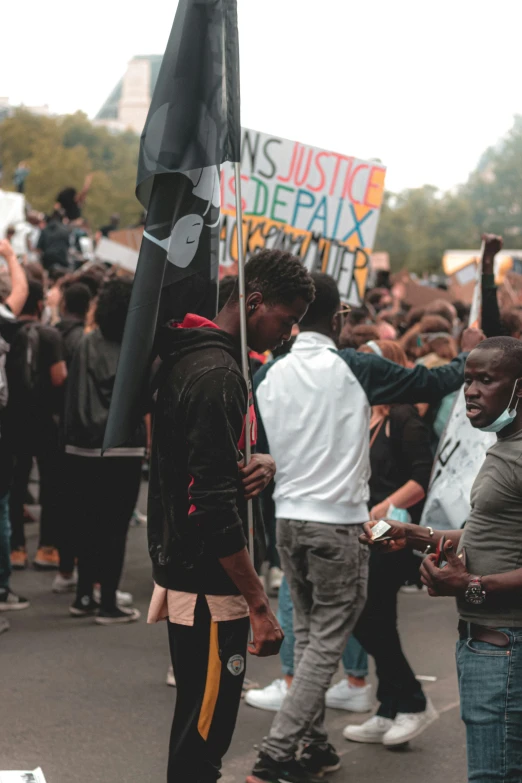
314, 405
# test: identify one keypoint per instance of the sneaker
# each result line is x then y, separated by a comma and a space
408, 725
117, 616
4, 624
19, 558
138, 518
372, 731
320, 759
248, 685
84, 607
275, 577
269, 698
171, 680
266, 770
122, 599
10, 602
344, 696
65, 584
47, 558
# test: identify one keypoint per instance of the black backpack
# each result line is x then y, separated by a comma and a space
23, 364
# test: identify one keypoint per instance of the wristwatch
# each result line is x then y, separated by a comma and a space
475, 594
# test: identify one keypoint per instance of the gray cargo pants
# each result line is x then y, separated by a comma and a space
327, 571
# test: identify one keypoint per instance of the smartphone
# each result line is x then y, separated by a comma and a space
441, 555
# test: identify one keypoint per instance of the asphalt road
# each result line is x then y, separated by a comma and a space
89, 704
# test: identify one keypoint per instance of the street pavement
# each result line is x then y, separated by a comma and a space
89, 704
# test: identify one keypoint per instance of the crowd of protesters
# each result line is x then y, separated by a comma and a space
362, 450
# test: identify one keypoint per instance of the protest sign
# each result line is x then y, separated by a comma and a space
12, 210
322, 206
460, 455
36, 776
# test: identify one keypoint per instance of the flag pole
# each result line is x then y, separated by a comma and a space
243, 336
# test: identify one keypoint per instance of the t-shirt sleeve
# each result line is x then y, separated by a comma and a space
51, 346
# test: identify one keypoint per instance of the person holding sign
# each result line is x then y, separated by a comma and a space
480, 566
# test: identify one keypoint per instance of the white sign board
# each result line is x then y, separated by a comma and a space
462, 450
36, 776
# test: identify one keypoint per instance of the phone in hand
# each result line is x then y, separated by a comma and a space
440, 554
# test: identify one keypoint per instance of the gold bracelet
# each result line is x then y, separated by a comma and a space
429, 549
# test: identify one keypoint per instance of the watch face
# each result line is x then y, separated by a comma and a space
475, 594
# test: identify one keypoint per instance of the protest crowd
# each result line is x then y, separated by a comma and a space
358, 443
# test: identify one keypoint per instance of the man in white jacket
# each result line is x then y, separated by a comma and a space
314, 406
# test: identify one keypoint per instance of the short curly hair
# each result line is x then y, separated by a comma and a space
112, 307
279, 276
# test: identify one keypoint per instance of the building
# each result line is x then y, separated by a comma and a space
128, 104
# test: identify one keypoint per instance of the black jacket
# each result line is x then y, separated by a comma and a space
71, 330
198, 436
88, 397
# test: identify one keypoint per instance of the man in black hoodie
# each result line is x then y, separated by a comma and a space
74, 307
206, 585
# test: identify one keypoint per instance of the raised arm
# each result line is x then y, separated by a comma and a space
386, 382
19, 288
491, 324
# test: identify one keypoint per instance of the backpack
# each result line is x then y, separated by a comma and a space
23, 364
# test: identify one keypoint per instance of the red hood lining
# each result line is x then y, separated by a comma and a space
193, 321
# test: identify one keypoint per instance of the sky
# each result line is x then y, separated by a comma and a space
424, 87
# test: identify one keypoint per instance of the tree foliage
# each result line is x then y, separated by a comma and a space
61, 151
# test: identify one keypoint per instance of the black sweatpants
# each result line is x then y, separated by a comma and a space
376, 630
209, 666
105, 491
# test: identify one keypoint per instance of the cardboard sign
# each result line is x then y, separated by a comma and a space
322, 206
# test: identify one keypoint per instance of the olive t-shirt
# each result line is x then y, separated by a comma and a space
492, 536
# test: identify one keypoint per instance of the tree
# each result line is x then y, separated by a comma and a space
60, 151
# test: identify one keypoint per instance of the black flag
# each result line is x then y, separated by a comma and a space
192, 127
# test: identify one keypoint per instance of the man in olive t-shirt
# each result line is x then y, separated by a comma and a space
482, 567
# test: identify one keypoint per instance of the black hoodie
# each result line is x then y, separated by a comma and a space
195, 486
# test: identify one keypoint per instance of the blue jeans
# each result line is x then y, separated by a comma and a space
490, 684
355, 659
5, 542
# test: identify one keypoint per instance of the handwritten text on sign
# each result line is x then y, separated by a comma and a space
321, 205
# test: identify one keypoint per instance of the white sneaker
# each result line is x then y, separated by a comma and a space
269, 698
275, 577
122, 599
344, 696
65, 584
408, 725
138, 518
171, 680
373, 731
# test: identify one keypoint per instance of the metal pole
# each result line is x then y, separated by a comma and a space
244, 346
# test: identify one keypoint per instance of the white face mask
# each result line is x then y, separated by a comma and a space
506, 417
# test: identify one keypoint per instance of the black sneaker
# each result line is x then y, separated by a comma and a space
320, 759
85, 606
266, 770
117, 616
9, 601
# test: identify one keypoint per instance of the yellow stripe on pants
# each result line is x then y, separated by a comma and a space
212, 684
